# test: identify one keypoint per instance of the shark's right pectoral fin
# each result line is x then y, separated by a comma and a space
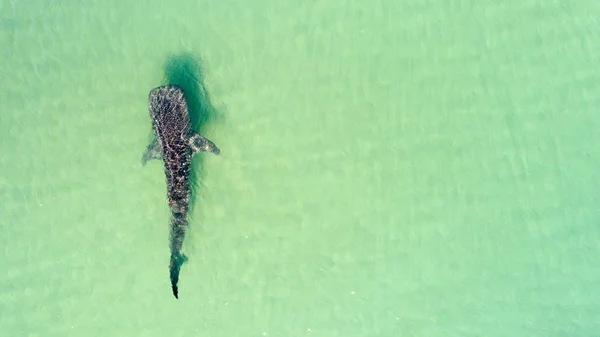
152, 152
200, 144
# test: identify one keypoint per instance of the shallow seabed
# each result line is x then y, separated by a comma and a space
388, 168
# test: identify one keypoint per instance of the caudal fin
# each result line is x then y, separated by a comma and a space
177, 260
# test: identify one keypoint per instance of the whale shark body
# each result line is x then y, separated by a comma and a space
175, 143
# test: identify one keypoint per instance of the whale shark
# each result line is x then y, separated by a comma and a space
175, 143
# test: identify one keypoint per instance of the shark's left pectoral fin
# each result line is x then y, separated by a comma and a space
200, 144
152, 152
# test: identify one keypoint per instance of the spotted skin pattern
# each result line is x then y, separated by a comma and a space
175, 143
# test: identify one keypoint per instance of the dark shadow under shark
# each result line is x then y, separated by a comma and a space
176, 110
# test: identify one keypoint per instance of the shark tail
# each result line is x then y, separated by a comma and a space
177, 260
178, 227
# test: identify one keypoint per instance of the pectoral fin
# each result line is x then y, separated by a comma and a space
152, 152
200, 144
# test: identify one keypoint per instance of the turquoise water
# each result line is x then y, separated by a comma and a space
388, 168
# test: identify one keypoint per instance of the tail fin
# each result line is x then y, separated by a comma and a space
176, 235
177, 260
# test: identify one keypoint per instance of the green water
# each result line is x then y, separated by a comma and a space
388, 168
